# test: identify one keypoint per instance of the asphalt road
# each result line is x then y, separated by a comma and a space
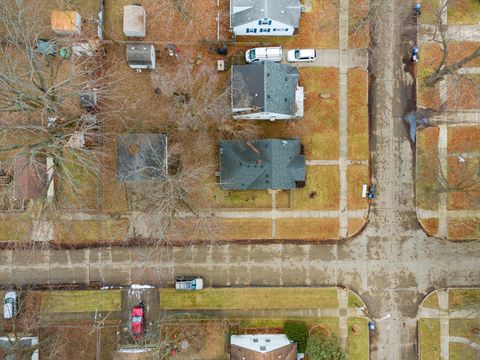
392, 264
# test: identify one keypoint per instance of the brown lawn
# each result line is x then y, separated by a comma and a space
308, 229
430, 225
427, 168
357, 175
357, 114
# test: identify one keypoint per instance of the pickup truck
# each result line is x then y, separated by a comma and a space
189, 283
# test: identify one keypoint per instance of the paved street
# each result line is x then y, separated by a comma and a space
392, 264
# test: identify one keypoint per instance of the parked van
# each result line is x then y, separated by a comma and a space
189, 283
264, 54
10, 305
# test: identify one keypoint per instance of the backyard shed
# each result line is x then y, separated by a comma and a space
142, 157
134, 20
141, 56
66, 22
261, 164
30, 177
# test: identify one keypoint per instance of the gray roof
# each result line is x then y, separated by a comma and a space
284, 11
142, 157
139, 54
267, 86
22, 349
261, 164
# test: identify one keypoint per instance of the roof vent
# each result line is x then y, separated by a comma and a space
255, 340
285, 99
263, 348
268, 96
267, 340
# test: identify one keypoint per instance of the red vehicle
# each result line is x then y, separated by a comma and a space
138, 321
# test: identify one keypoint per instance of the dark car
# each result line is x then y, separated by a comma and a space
138, 321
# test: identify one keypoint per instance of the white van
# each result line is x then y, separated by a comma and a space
264, 54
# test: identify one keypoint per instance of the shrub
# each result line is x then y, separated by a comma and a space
297, 332
321, 347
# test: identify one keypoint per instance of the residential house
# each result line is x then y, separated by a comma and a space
264, 17
142, 157
262, 347
19, 348
266, 91
261, 164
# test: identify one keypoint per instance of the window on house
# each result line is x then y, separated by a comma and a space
251, 31
264, 22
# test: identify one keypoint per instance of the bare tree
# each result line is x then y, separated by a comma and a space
444, 68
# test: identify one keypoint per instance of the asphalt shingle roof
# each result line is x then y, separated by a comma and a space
261, 164
284, 11
268, 87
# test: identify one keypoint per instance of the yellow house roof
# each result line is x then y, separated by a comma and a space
65, 21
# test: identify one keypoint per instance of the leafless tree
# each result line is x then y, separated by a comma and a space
444, 68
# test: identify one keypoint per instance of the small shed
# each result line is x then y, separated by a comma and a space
141, 56
66, 22
134, 20
30, 177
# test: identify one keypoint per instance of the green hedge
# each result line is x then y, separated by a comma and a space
297, 332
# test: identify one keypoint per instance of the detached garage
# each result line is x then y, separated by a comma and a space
141, 56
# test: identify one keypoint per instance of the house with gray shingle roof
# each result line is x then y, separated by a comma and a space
264, 17
261, 164
266, 91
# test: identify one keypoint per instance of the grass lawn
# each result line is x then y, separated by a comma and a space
463, 92
357, 127
328, 323
90, 231
461, 12
463, 298
81, 301
249, 298
77, 187
430, 9
311, 228
431, 301
245, 229
463, 139
465, 328
428, 97
357, 175
354, 301
430, 225
358, 30
257, 199
429, 339
464, 229
458, 351
355, 225
319, 126
358, 339
427, 168
14, 227
466, 178
321, 191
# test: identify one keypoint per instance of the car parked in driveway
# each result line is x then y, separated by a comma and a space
10, 305
138, 321
301, 55
189, 283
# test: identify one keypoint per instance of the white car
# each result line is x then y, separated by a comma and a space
10, 305
301, 55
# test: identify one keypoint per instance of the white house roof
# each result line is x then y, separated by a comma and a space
134, 20
260, 343
245, 11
